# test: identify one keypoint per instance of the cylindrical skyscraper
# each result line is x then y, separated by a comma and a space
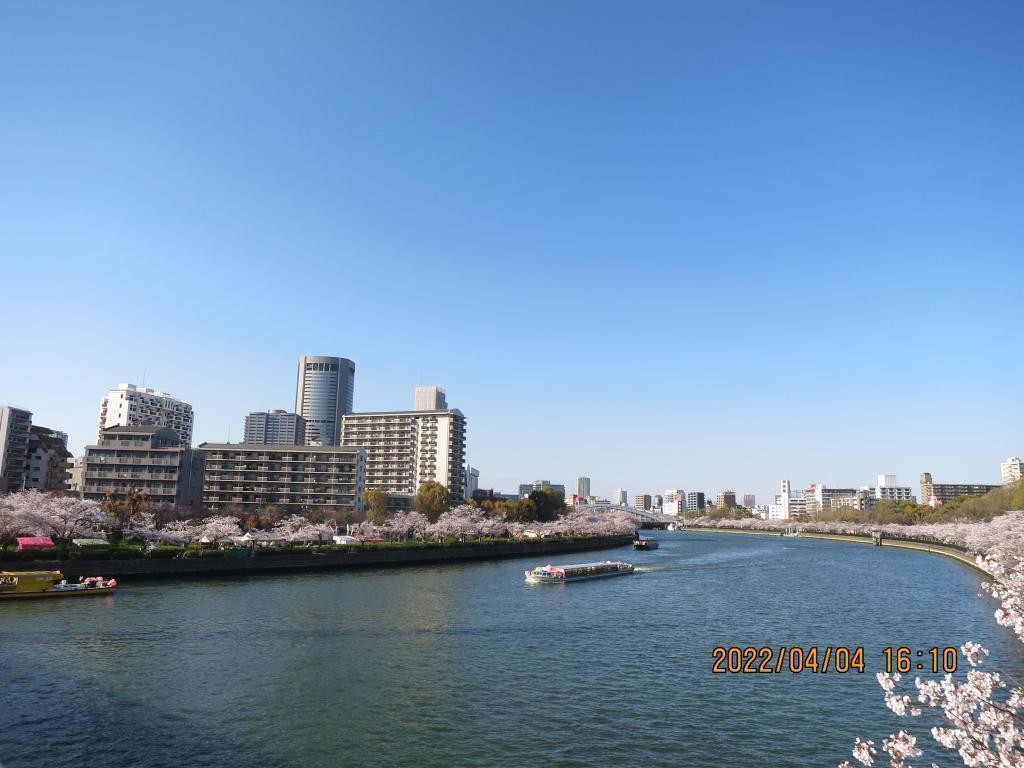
323, 392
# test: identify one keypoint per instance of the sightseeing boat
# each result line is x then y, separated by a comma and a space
560, 574
15, 585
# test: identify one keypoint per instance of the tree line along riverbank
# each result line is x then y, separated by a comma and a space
261, 561
957, 553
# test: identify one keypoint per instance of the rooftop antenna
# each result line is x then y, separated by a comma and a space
229, 434
145, 364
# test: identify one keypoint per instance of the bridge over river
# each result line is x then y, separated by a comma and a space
644, 518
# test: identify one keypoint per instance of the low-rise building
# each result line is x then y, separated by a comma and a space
525, 489
293, 478
147, 459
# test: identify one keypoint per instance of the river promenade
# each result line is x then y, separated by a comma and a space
366, 557
955, 553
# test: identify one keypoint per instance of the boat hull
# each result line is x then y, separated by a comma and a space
566, 579
56, 593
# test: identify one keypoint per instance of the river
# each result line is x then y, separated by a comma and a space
465, 665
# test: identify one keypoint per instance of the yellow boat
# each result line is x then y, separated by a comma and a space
18, 585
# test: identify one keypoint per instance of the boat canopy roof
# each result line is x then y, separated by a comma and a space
34, 542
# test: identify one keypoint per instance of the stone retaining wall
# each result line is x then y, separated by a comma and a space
331, 561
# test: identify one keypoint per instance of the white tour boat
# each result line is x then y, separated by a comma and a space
559, 574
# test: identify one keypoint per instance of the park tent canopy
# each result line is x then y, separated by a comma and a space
346, 540
90, 542
34, 542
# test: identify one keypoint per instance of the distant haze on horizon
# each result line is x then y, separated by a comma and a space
662, 249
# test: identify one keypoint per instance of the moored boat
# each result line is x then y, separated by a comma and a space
15, 585
560, 574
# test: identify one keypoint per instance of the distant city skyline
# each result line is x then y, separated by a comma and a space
818, 205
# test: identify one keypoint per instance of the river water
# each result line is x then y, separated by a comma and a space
465, 665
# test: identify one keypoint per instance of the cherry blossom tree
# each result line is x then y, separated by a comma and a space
405, 525
64, 517
15, 514
179, 532
217, 528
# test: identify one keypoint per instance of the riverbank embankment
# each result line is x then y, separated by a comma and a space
365, 557
960, 555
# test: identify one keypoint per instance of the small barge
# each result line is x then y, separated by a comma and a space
639, 543
19, 585
560, 574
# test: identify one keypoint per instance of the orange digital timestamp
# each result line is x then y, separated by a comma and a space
766, 660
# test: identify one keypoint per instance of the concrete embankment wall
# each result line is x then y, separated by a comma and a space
959, 555
369, 557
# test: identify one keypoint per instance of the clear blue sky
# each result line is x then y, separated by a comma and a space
698, 245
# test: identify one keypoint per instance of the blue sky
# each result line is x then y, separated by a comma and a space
697, 245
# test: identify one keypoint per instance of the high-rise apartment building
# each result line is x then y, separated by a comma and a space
15, 427
472, 481
275, 427
620, 497
642, 501
405, 449
935, 494
148, 459
695, 501
749, 501
293, 478
657, 501
48, 460
132, 406
1011, 470
430, 399
324, 393
725, 499
583, 487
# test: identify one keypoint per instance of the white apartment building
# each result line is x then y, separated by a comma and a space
1011, 470
132, 406
405, 449
788, 505
674, 502
620, 497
